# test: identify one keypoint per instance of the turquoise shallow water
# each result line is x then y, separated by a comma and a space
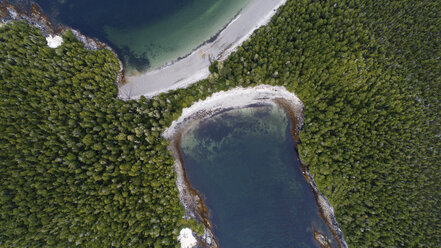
244, 164
149, 33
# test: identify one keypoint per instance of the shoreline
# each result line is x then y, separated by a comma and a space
35, 16
194, 66
233, 99
191, 200
210, 40
326, 210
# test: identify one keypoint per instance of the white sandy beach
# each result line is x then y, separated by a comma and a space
195, 66
234, 98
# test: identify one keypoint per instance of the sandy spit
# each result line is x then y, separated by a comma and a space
194, 67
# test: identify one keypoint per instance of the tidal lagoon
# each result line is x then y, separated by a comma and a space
244, 165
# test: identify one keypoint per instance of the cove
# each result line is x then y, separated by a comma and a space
146, 34
244, 165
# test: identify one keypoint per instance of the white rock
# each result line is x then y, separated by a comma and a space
54, 41
187, 239
12, 13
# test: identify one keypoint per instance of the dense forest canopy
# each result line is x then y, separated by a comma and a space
80, 167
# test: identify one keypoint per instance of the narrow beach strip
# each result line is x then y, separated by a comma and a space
194, 67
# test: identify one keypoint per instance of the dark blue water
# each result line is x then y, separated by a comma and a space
91, 16
148, 33
244, 164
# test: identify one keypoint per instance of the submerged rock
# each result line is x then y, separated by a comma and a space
322, 240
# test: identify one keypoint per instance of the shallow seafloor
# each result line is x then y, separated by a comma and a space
244, 165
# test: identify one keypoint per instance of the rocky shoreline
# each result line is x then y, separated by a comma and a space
326, 210
191, 200
35, 17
